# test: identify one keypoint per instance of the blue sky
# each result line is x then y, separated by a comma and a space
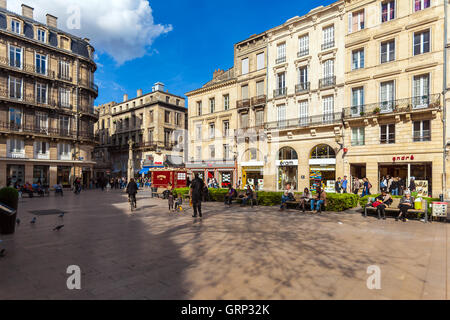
201, 40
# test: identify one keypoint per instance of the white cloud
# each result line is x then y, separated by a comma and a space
124, 29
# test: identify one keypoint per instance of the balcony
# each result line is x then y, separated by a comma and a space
302, 87
394, 106
32, 129
64, 77
328, 45
280, 60
90, 85
243, 104
259, 101
327, 82
280, 92
304, 122
31, 69
303, 53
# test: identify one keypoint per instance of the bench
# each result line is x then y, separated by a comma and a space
393, 208
253, 201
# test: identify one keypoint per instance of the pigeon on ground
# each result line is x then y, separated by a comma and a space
58, 228
18, 221
2, 253
33, 221
61, 215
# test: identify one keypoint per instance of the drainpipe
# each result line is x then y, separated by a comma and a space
444, 92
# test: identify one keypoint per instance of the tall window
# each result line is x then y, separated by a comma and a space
303, 77
358, 59
64, 125
282, 115
15, 26
212, 105
41, 148
421, 4
226, 152
387, 96
41, 93
42, 35
388, 10
421, 42
357, 101
15, 88
303, 112
328, 37
198, 153
15, 118
421, 131
358, 136
281, 53
226, 102
244, 92
281, 84
356, 21
226, 128
64, 70
387, 134
64, 151
198, 132
212, 152
212, 130
15, 57
245, 66
303, 46
388, 51
16, 148
41, 63
167, 116
260, 61
64, 97
167, 138
42, 122
259, 118
150, 136
421, 91
328, 108
199, 108
151, 116
260, 88
244, 120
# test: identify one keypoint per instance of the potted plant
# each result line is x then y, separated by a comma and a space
362, 113
377, 110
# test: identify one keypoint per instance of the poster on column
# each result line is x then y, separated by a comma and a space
422, 188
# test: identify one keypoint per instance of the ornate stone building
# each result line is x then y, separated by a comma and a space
47, 95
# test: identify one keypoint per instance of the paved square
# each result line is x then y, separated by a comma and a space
233, 253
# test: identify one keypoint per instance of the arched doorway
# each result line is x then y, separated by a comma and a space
287, 168
322, 167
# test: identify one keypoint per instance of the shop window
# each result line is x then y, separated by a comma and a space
323, 152
287, 168
387, 134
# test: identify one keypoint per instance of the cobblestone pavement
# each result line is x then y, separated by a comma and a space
233, 253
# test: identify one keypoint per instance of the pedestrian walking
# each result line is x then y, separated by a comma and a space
196, 194
356, 186
412, 185
337, 185
170, 197
344, 185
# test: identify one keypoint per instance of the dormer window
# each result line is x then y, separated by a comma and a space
42, 35
64, 43
15, 26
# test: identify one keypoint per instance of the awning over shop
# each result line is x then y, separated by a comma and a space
144, 171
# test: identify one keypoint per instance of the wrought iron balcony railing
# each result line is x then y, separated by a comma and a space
327, 82
328, 45
394, 106
259, 100
20, 66
302, 53
302, 87
280, 92
244, 103
280, 60
324, 119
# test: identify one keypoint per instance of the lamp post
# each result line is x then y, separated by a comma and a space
130, 160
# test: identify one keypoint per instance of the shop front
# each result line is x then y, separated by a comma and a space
253, 174
15, 174
322, 167
41, 175
223, 172
63, 174
287, 168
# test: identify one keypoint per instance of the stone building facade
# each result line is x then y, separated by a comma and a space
155, 123
47, 95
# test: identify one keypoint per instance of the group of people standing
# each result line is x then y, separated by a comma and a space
396, 185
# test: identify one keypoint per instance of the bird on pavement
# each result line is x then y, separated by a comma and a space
33, 221
18, 221
61, 215
2, 253
58, 228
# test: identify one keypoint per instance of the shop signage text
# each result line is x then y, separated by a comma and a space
287, 163
403, 158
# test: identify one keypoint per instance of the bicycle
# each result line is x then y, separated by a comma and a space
132, 201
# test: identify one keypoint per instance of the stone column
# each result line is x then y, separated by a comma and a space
53, 175
130, 160
29, 172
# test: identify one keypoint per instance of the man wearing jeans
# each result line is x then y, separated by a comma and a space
344, 185
321, 197
287, 196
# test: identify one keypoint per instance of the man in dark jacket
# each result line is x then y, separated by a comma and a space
132, 190
196, 193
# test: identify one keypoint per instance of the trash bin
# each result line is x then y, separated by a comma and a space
7, 219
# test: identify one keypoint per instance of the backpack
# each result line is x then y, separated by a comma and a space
370, 186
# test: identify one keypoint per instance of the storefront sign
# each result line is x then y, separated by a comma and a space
403, 158
287, 163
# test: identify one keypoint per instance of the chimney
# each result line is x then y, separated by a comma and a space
159, 86
27, 11
125, 97
2, 4
139, 93
52, 21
